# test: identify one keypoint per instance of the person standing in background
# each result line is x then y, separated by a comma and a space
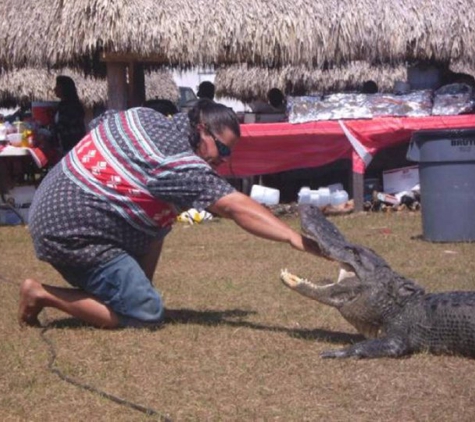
276, 99
369, 87
275, 103
69, 119
206, 89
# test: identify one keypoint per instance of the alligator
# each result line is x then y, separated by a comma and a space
394, 314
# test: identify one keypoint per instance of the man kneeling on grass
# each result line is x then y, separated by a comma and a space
101, 215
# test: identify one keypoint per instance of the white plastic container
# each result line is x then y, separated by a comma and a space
304, 195
324, 195
335, 187
265, 195
315, 198
338, 197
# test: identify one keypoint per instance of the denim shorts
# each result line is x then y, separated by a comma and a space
122, 285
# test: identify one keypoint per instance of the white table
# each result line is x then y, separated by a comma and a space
11, 151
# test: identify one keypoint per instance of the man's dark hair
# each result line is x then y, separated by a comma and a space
216, 117
206, 90
369, 87
276, 97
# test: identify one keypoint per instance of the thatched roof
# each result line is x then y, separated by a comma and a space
34, 84
199, 32
247, 83
160, 84
250, 83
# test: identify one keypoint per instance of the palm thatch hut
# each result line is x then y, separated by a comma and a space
36, 84
125, 34
248, 83
183, 32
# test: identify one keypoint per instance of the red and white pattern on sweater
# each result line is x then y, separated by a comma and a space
97, 173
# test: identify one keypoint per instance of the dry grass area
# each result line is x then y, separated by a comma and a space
237, 345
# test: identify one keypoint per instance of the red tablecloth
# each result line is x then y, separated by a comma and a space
273, 147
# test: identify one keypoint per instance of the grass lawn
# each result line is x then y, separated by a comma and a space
237, 345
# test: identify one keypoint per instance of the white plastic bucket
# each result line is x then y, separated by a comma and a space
315, 198
335, 187
304, 195
338, 197
320, 197
265, 195
324, 194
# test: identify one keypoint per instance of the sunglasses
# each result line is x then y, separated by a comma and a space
223, 150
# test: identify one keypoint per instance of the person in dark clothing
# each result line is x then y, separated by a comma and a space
206, 90
276, 99
69, 119
369, 87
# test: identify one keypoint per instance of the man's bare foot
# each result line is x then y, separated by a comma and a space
30, 303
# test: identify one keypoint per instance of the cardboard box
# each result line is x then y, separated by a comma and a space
400, 180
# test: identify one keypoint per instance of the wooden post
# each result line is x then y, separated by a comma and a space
358, 190
116, 85
136, 84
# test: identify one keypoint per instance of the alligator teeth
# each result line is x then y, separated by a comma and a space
289, 279
345, 273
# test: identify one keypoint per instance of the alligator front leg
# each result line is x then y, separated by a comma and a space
374, 348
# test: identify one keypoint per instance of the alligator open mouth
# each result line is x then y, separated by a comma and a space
292, 280
394, 313
324, 293
298, 283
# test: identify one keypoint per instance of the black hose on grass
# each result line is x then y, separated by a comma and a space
52, 368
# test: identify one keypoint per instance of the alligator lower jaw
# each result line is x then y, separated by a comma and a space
289, 279
293, 281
